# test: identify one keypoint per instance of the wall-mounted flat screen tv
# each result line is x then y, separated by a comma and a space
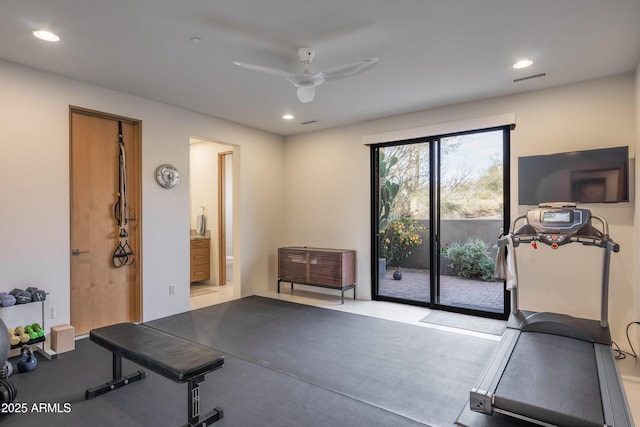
591, 176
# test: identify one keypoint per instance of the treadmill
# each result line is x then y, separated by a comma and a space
552, 369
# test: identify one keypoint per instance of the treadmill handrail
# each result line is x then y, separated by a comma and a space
593, 237
599, 241
600, 238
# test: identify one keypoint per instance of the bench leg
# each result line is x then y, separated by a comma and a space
117, 381
193, 400
116, 366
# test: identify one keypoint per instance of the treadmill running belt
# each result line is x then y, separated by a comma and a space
552, 379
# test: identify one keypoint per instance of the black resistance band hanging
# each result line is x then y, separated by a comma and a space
123, 255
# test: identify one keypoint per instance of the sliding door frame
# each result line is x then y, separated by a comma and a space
434, 218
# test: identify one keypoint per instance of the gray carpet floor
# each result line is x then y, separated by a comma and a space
286, 365
418, 373
249, 394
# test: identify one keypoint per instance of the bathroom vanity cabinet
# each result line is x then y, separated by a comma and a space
200, 259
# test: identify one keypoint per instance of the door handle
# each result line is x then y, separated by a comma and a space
76, 252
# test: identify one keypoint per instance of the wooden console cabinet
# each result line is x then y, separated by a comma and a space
327, 268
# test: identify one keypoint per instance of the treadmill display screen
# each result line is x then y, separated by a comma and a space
556, 216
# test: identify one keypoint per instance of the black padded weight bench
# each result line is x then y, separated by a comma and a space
170, 356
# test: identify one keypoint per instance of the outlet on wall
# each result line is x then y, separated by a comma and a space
172, 289
52, 313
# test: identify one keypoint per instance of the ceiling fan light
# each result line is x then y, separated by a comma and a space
306, 94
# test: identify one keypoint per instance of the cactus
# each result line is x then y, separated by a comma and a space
388, 190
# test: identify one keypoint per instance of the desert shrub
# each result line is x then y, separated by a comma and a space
471, 259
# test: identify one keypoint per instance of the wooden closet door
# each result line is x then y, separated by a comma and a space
100, 293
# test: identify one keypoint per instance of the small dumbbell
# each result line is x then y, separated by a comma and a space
21, 296
7, 300
38, 330
13, 338
24, 338
36, 294
29, 330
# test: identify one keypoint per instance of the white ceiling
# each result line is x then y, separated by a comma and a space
431, 52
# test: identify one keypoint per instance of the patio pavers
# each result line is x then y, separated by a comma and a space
454, 291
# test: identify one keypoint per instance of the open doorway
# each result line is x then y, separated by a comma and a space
211, 188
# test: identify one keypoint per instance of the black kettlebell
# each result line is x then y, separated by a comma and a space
28, 361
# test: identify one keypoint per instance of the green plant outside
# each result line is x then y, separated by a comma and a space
401, 235
389, 188
472, 260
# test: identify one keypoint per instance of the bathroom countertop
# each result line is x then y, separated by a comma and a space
197, 236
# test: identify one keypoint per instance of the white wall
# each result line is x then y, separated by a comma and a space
635, 332
327, 196
34, 218
328, 191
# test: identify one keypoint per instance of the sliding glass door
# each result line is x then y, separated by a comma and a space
471, 218
403, 222
439, 208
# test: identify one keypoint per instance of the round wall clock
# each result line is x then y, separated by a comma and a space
167, 176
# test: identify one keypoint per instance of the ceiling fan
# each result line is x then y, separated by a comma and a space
307, 81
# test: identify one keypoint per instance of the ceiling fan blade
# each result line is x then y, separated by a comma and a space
306, 82
306, 93
267, 70
306, 79
349, 69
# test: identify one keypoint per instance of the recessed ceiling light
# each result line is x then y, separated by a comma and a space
196, 40
47, 36
523, 63
288, 117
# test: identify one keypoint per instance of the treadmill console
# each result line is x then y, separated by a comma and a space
556, 224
